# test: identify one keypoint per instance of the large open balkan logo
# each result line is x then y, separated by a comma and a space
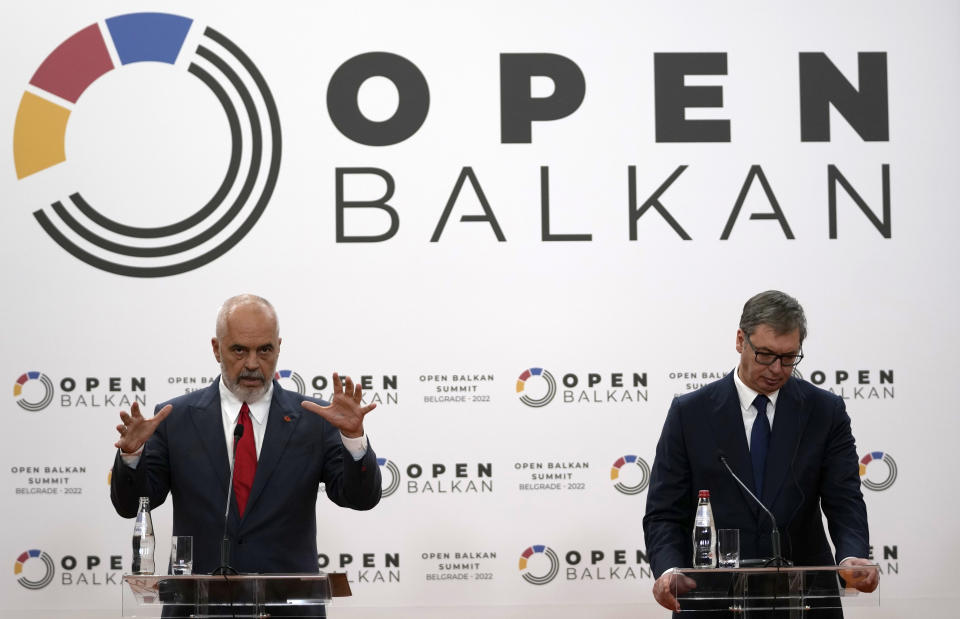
87, 232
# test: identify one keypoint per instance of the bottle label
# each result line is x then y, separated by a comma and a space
704, 516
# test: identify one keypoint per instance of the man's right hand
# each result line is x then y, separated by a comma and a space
865, 579
135, 429
671, 582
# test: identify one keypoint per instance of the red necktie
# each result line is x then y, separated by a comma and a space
245, 466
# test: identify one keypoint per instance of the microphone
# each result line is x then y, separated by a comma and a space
225, 542
777, 559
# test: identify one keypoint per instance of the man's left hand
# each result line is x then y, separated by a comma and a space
345, 411
865, 580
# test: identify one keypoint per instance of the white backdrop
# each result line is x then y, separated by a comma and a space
147, 144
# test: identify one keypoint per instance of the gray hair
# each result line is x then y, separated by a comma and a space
242, 299
776, 309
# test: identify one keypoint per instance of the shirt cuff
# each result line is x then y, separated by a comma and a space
132, 459
356, 446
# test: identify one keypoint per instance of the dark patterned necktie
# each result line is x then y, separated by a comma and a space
760, 442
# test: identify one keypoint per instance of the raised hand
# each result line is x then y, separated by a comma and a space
345, 410
136, 429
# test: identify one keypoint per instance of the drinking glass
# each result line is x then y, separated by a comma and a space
728, 548
181, 555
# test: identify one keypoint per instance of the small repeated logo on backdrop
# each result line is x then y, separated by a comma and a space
552, 475
687, 380
363, 567
83, 230
48, 480
381, 389
393, 472
436, 479
34, 391
33, 405
190, 383
28, 583
542, 387
283, 376
458, 566
875, 456
458, 388
76, 570
537, 555
854, 384
627, 466
599, 565
536, 387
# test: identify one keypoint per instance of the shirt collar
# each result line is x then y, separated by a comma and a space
231, 404
748, 395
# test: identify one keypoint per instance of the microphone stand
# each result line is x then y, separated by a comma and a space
225, 568
777, 560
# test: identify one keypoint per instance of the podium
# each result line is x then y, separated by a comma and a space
244, 596
775, 592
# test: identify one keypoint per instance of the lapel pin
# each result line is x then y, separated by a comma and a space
286, 418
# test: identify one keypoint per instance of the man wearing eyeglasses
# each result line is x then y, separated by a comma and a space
789, 441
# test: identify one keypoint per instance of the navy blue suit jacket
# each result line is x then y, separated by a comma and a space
811, 464
187, 458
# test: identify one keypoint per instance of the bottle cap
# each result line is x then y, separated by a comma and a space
704, 494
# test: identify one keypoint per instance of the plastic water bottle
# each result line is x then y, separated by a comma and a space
704, 534
144, 543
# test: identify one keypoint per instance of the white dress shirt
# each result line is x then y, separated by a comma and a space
230, 406
749, 411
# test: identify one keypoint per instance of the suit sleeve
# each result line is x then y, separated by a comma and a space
350, 483
669, 516
151, 478
840, 496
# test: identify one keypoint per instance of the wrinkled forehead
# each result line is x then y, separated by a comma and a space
767, 337
249, 320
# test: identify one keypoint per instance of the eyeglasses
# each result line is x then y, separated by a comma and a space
768, 358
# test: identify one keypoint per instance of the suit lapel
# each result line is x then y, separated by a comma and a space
208, 421
281, 423
789, 422
731, 437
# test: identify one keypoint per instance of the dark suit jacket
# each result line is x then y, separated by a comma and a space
811, 464
187, 457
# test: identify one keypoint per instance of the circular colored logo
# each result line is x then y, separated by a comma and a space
40, 404
217, 225
394, 482
551, 573
547, 397
47, 566
296, 378
891, 470
639, 463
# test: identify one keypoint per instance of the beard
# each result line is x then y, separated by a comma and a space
244, 393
